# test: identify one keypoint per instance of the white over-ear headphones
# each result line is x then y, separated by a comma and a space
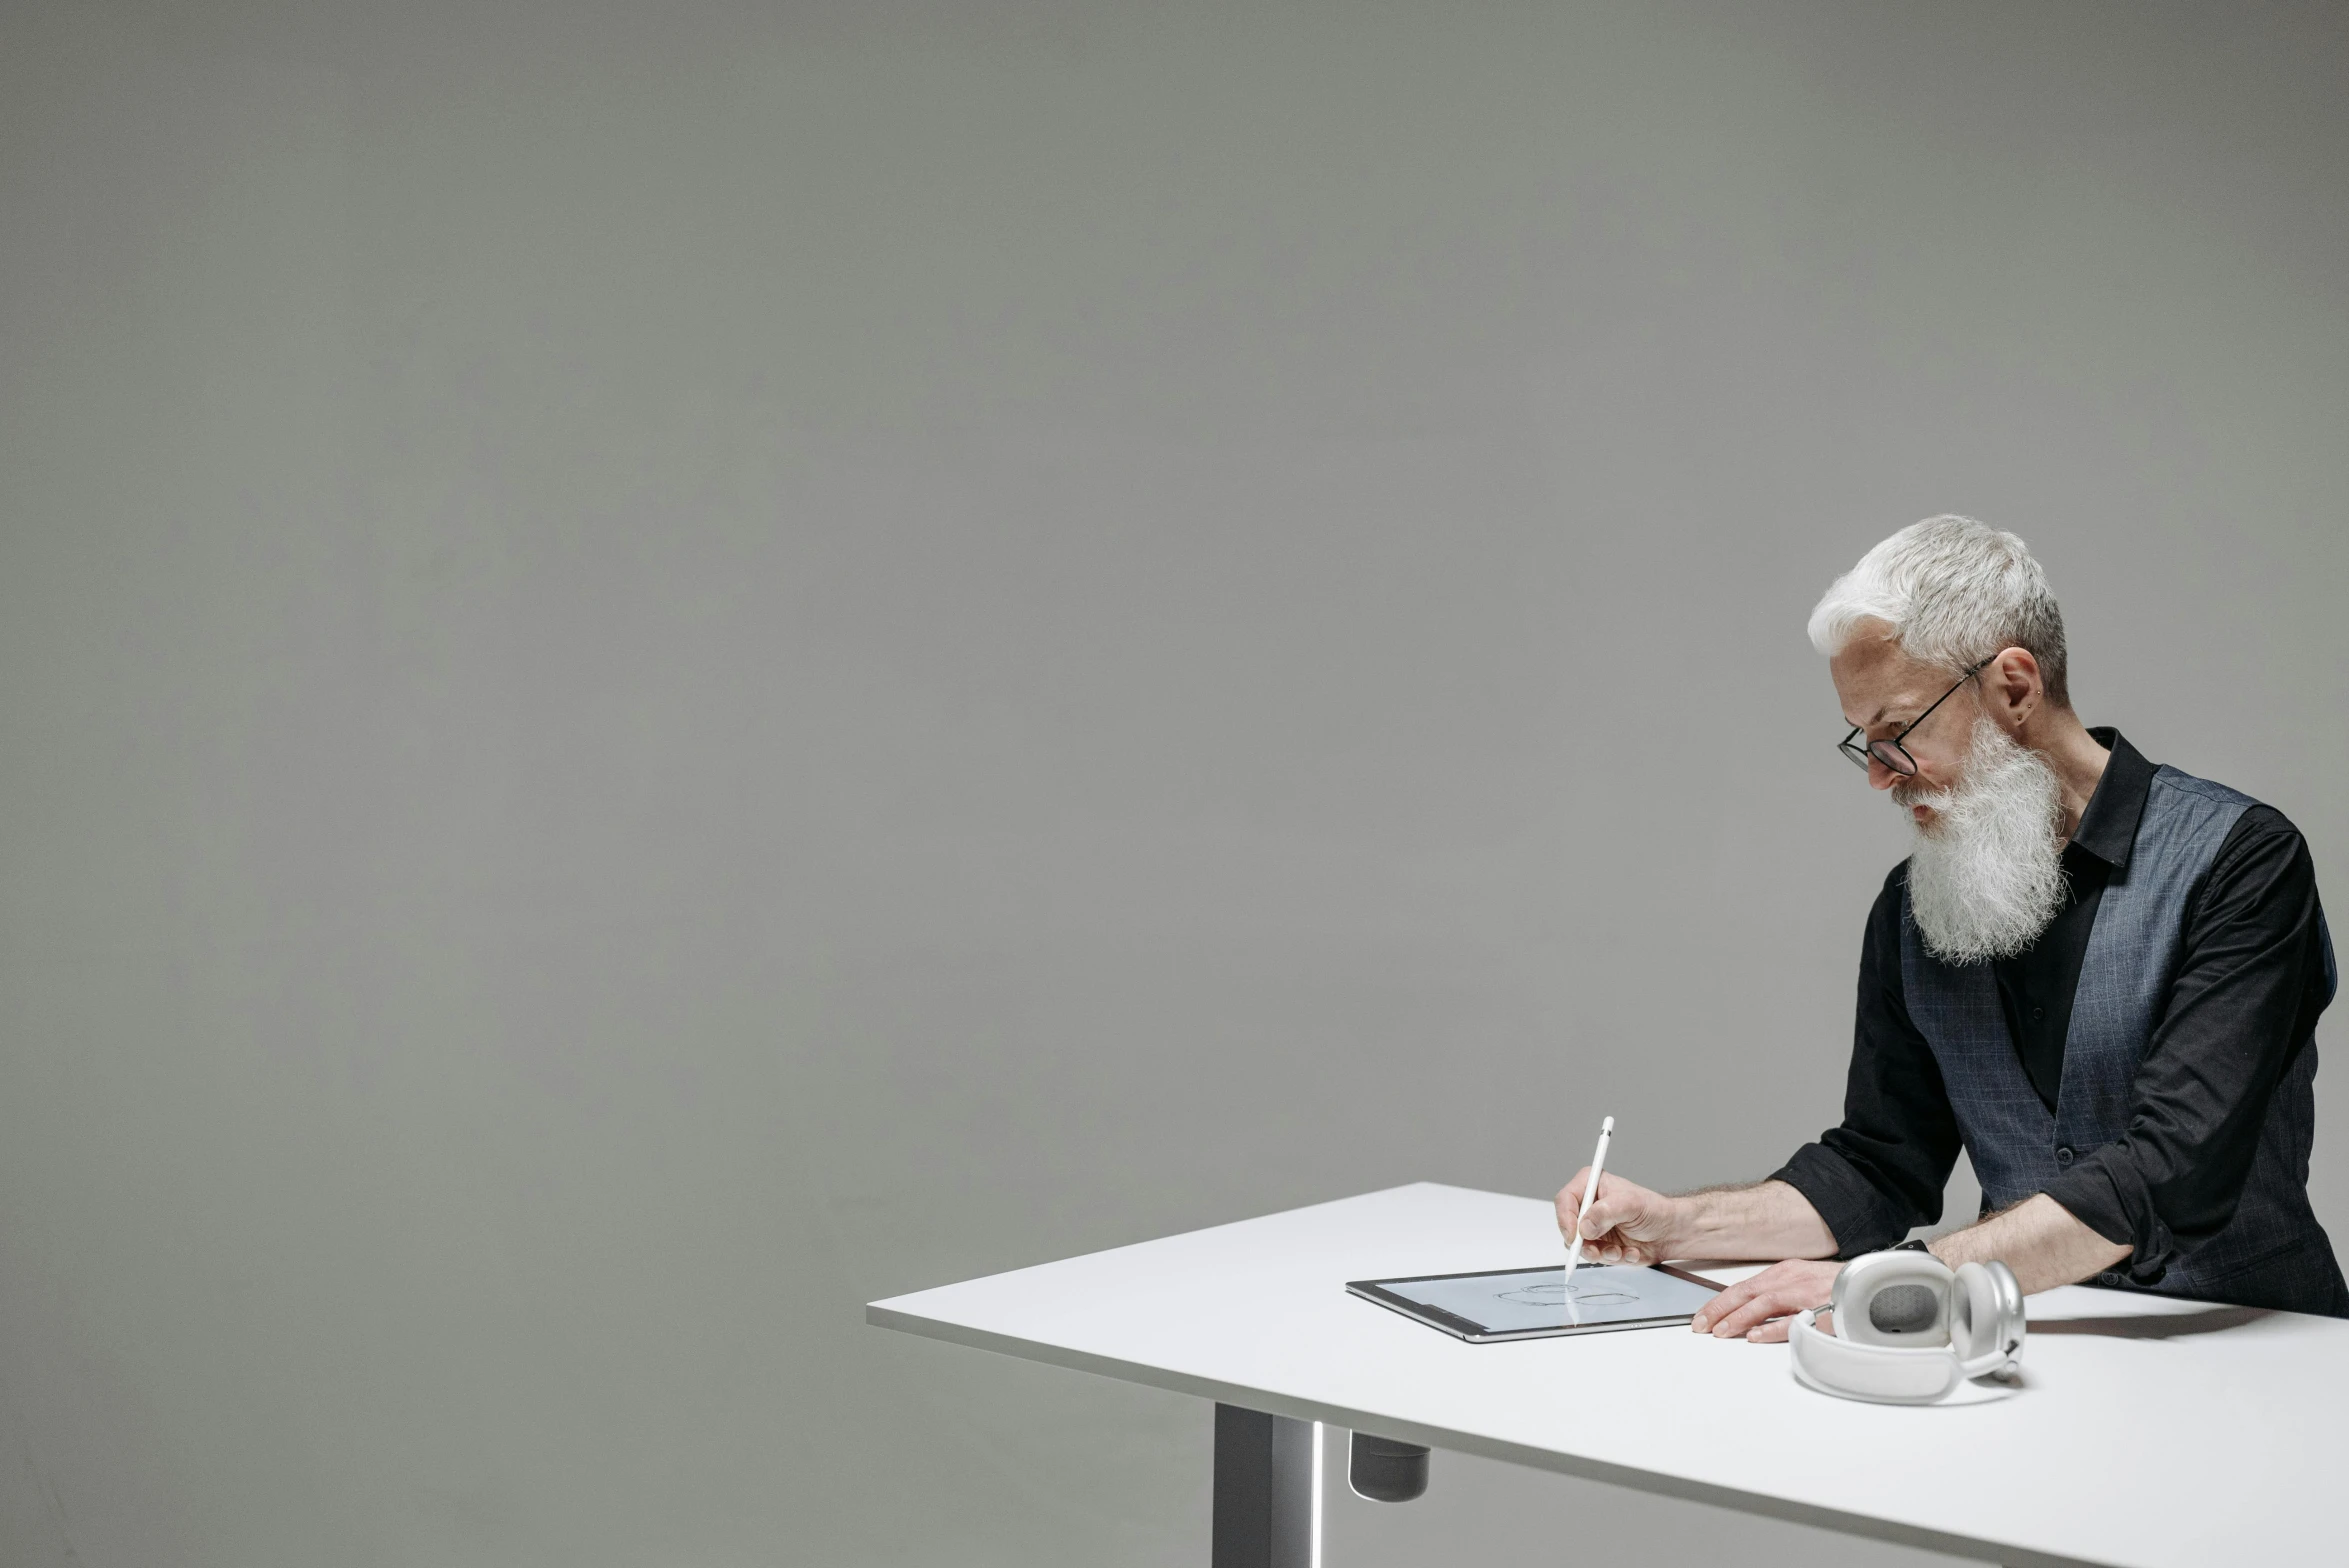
1908, 1330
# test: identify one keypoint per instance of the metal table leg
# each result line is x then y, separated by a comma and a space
1385, 1469
1267, 1490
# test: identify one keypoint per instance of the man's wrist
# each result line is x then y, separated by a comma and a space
1767, 1219
1679, 1238
1703, 1227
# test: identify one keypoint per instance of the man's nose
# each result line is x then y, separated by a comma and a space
1880, 776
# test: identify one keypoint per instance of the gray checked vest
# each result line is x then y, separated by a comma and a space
2272, 1253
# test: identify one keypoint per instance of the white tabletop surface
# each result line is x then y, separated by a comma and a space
2142, 1431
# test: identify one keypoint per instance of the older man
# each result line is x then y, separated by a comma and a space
2097, 975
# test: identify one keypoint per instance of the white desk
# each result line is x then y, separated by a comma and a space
2144, 1431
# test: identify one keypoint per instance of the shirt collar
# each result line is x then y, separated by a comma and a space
2109, 826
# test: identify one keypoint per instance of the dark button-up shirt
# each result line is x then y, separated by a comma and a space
2250, 982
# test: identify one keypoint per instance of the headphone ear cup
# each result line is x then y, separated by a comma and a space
1895, 1299
1973, 1312
1986, 1317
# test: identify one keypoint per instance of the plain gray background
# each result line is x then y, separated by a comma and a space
666, 667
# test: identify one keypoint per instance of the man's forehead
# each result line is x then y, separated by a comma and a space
1875, 677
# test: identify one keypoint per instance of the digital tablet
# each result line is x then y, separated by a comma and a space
1533, 1303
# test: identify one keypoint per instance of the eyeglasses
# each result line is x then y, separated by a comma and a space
1891, 752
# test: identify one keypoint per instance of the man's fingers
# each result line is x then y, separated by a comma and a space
1779, 1329
1613, 1209
1617, 1246
1728, 1301
1762, 1305
1569, 1203
1748, 1304
1752, 1314
1703, 1321
1758, 1308
1611, 1228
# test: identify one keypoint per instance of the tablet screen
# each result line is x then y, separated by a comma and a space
1515, 1301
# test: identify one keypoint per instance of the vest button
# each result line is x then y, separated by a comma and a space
2038, 1013
2063, 1156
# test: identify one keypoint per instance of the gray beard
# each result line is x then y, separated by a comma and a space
1987, 877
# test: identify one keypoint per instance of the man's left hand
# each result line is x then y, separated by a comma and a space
1759, 1309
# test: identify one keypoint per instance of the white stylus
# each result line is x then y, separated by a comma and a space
1598, 1166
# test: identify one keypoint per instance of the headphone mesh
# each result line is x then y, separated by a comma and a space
1903, 1309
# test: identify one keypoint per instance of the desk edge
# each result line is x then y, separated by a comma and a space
881, 1315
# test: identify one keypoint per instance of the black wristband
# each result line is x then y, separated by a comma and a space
1912, 1246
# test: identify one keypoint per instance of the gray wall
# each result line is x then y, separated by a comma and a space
666, 667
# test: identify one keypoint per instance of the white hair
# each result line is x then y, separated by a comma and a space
1954, 592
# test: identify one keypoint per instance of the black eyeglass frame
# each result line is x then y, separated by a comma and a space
1907, 766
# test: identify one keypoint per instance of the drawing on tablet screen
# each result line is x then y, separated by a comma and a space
1593, 1295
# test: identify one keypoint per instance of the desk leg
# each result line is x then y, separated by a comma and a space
1267, 1490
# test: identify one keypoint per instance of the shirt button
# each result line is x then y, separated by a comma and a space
2063, 1156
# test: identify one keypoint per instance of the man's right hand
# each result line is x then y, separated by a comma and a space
1626, 1223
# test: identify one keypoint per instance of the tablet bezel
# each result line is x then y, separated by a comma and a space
1374, 1290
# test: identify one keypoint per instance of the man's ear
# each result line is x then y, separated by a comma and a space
2013, 686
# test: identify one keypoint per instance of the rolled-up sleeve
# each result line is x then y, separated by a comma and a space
1881, 1172
2251, 980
